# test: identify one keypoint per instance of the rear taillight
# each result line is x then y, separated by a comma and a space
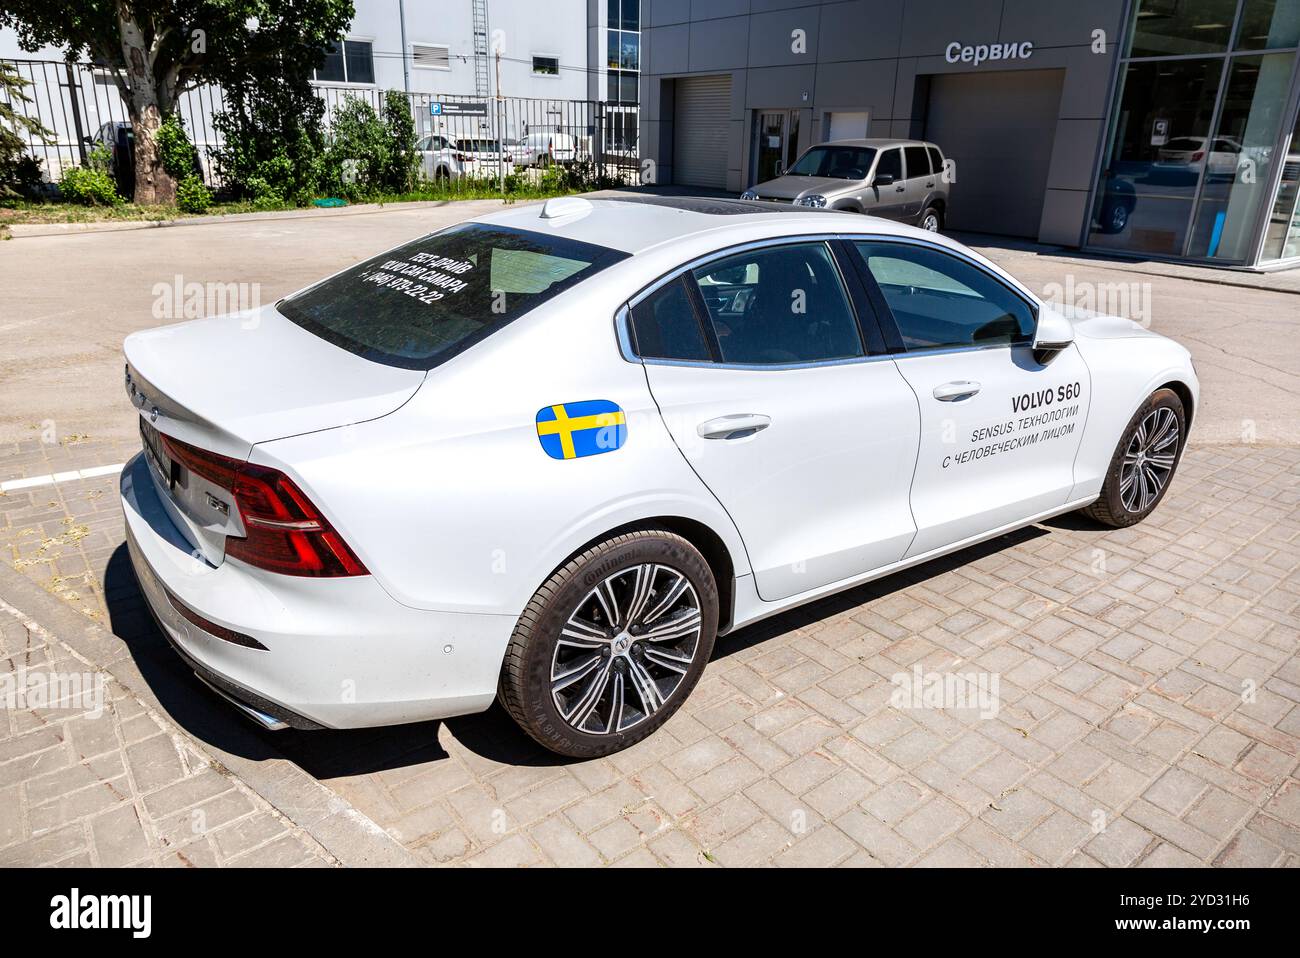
463, 157
285, 533
1198, 156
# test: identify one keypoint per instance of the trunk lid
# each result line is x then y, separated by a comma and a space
227, 383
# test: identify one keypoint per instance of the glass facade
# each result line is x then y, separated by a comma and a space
1204, 110
623, 49
623, 66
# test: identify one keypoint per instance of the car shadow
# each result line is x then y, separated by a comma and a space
490, 735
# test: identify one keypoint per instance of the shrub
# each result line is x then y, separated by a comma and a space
273, 150
179, 157
371, 151
192, 196
91, 184
402, 162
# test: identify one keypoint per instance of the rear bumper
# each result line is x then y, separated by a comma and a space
339, 653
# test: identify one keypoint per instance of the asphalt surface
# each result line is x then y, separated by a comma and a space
67, 302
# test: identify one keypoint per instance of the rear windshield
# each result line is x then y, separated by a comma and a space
420, 304
841, 162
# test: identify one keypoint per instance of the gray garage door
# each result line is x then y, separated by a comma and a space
998, 128
702, 106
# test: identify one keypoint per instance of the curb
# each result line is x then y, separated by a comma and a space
351, 837
28, 230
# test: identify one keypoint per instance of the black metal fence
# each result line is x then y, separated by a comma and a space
461, 136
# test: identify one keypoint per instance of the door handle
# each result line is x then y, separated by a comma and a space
954, 391
930, 185
900, 188
733, 427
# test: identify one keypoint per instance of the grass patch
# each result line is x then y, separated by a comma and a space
517, 188
25, 212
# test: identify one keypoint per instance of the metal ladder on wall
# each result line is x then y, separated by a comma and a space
481, 73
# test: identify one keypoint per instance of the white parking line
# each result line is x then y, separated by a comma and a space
33, 481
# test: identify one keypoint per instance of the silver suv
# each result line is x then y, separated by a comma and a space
897, 179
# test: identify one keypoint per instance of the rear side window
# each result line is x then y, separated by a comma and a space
936, 159
422, 303
918, 163
665, 326
775, 305
940, 301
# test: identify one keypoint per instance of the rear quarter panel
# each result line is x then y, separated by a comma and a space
451, 501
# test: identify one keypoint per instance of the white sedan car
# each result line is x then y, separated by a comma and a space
549, 455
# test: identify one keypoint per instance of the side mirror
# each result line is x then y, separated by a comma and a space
883, 179
1052, 334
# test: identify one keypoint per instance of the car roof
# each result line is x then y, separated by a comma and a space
879, 142
634, 223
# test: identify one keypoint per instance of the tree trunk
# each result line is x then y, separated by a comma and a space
152, 183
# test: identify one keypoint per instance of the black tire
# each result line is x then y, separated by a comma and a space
1120, 505
535, 653
925, 216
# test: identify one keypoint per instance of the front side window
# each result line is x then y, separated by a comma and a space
942, 302
839, 162
420, 304
891, 163
782, 304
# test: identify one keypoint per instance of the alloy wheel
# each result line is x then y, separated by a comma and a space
930, 223
1149, 459
625, 649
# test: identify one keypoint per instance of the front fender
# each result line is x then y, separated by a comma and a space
1125, 372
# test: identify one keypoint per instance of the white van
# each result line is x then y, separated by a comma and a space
542, 148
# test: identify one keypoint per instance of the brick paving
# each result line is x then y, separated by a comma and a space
95, 778
1149, 712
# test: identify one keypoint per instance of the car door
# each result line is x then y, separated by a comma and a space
999, 428
888, 199
807, 437
920, 180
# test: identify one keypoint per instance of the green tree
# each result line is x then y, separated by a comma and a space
157, 49
17, 168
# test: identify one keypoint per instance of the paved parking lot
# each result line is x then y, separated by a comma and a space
1149, 687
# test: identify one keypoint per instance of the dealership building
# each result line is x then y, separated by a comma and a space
1155, 128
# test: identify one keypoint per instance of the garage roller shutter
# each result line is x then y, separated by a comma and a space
703, 106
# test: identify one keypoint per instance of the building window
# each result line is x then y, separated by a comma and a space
353, 61
1193, 147
623, 50
624, 14
546, 66
621, 132
623, 86
431, 56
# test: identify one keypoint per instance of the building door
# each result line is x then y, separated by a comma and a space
776, 146
999, 128
702, 113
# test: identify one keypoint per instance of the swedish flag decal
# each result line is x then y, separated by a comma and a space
572, 430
